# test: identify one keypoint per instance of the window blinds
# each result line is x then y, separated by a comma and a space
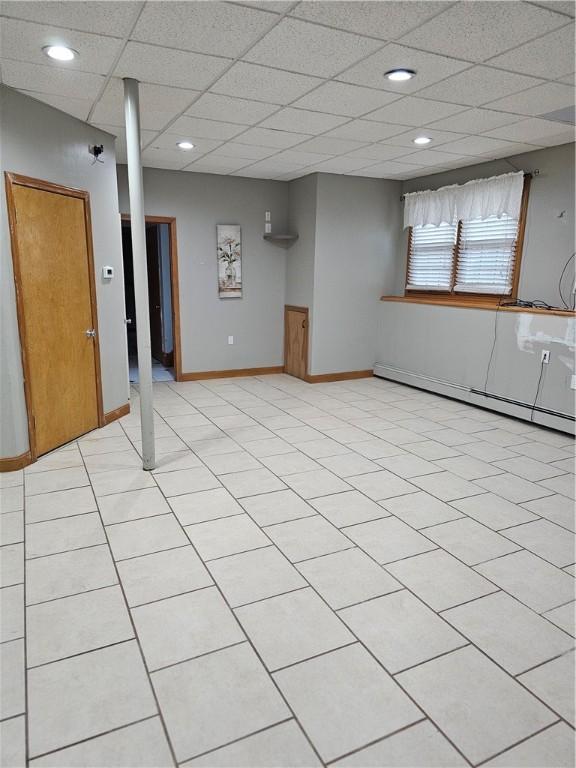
486, 254
431, 258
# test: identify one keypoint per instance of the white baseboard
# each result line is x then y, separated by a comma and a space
518, 410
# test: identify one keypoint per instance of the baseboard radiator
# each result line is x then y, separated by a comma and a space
519, 409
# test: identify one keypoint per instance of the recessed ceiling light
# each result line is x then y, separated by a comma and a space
422, 140
185, 145
60, 52
399, 75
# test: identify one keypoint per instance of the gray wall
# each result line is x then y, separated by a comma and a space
454, 345
357, 241
549, 240
199, 202
166, 288
39, 141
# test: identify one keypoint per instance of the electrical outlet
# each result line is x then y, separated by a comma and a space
230, 339
545, 356
267, 216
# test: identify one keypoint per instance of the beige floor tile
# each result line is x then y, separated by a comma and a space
69, 573
228, 536
420, 746
120, 480
64, 534
12, 682
216, 699
348, 508
493, 511
389, 539
132, 505
553, 682
345, 700
549, 541
56, 480
182, 627
72, 625
11, 565
348, 577
282, 743
494, 712
11, 527
142, 537
87, 695
554, 746
440, 580
308, 537
201, 506
240, 577
13, 742
251, 482
292, 627
142, 745
470, 541
511, 634
420, 509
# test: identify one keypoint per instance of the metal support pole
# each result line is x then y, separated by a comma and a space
138, 229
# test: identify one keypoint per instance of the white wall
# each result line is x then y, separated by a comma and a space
39, 141
454, 345
357, 243
199, 202
548, 240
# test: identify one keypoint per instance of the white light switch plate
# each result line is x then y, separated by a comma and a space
230, 339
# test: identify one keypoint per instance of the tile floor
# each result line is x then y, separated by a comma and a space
356, 574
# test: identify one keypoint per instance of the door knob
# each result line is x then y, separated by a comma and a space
91, 333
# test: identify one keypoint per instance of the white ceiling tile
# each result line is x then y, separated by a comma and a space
379, 152
424, 157
267, 169
535, 131
169, 142
247, 151
389, 170
158, 104
438, 137
205, 129
299, 159
327, 146
303, 121
478, 145
51, 80
550, 56
76, 107
414, 111
342, 164
107, 18
476, 30
310, 49
265, 137
23, 41
478, 85
119, 133
537, 101
230, 110
364, 130
429, 67
509, 149
474, 121
205, 27
251, 81
386, 20
216, 164
300, 173
344, 99
167, 66
164, 158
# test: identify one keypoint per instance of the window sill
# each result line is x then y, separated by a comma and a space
478, 304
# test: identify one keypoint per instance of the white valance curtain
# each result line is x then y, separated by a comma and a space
477, 199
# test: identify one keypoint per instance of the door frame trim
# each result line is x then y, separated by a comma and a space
305, 311
174, 285
12, 180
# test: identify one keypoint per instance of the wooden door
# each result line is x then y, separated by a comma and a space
154, 292
54, 276
296, 341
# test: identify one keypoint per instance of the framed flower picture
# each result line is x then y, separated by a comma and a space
229, 254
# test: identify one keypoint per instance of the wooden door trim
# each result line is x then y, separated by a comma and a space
174, 285
305, 311
14, 179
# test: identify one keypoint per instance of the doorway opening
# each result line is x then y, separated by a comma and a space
161, 280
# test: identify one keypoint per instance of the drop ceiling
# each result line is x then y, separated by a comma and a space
282, 89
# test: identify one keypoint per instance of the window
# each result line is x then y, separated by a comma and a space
479, 258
